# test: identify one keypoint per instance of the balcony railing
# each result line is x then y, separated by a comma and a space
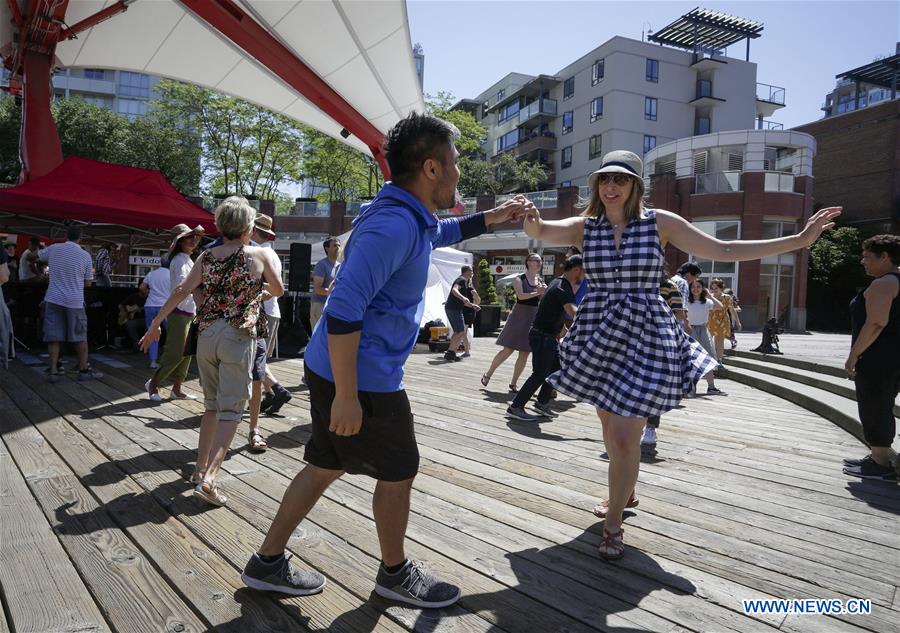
718, 182
777, 181
765, 124
541, 106
771, 94
540, 199
312, 209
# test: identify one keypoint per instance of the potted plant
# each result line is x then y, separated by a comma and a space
487, 320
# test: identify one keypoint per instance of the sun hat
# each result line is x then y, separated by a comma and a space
180, 231
618, 162
263, 224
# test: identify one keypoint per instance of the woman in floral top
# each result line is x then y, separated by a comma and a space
236, 279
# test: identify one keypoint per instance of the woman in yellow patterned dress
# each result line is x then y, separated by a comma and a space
720, 318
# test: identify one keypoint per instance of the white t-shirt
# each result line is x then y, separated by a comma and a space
69, 267
698, 313
271, 306
179, 268
158, 282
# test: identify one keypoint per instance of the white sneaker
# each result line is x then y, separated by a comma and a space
154, 365
649, 435
155, 397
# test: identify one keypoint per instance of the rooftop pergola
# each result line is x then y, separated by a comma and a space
883, 72
703, 29
343, 67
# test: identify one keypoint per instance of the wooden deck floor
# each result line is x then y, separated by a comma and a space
747, 500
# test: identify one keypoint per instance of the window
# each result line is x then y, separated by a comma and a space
510, 139
652, 70
596, 108
569, 88
649, 142
568, 122
727, 271
650, 104
565, 183
566, 157
132, 107
94, 73
594, 147
484, 109
702, 125
704, 88
501, 93
507, 112
134, 84
597, 71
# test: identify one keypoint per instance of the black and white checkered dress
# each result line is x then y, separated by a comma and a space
625, 353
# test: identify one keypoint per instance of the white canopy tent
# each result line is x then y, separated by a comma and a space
445, 268
360, 48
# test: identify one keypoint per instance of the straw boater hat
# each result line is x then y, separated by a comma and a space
180, 231
263, 224
618, 162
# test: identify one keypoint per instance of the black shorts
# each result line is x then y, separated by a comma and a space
385, 447
469, 316
875, 395
258, 370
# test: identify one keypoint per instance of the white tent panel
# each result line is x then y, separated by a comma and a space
361, 48
445, 268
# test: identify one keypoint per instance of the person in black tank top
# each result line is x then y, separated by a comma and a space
874, 360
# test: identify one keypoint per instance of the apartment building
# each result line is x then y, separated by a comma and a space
629, 94
865, 86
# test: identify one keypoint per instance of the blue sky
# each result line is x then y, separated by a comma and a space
470, 44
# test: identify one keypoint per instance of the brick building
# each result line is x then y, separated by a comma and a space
857, 166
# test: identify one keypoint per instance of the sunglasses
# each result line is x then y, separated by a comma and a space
619, 179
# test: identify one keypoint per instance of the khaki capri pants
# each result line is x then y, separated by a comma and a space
224, 358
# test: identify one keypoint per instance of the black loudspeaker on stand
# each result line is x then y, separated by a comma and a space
299, 273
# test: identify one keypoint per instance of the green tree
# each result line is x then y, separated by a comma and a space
245, 148
486, 289
89, 131
835, 275
478, 174
10, 124
345, 173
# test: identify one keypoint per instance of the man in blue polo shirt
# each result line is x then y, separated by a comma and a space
361, 419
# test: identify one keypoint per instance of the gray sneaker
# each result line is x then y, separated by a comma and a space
519, 413
546, 409
282, 577
415, 585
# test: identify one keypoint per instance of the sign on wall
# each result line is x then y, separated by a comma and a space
144, 260
518, 269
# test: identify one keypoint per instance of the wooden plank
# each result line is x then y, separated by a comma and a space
331, 557
42, 591
215, 587
122, 580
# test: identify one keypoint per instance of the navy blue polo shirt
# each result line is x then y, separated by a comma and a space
380, 286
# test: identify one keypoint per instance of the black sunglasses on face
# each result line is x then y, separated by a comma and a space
619, 179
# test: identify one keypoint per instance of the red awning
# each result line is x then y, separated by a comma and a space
103, 193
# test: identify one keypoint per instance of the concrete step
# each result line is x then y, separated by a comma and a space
837, 385
828, 370
838, 409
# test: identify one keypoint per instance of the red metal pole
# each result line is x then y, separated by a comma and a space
40, 147
231, 21
92, 20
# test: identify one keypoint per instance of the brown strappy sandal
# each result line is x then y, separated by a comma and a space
602, 508
613, 545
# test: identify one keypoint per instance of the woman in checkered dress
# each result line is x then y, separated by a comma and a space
625, 354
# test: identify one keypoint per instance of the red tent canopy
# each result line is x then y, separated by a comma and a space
103, 193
